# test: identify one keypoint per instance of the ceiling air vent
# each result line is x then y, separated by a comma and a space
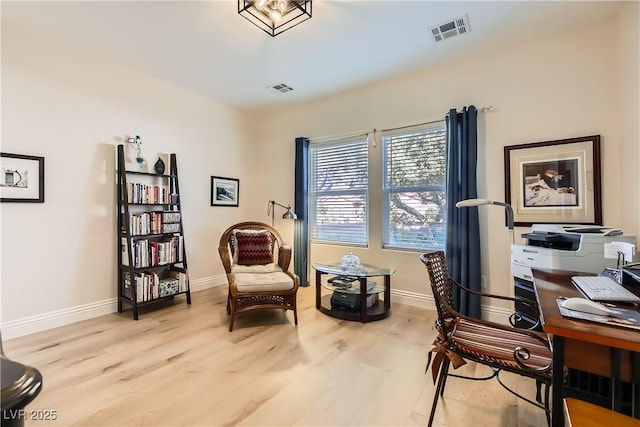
450, 28
280, 88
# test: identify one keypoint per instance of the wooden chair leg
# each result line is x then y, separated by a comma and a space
233, 317
231, 310
444, 370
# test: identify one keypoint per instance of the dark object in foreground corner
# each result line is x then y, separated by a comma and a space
20, 385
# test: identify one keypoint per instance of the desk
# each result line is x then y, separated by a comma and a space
588, 346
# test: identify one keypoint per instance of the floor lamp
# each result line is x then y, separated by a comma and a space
289, 214
479, 202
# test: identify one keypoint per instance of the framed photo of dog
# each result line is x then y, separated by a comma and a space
554, 181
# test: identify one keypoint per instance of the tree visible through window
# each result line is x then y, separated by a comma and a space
338, 198
414, 198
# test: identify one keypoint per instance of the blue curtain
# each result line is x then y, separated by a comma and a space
463, 228
301, 208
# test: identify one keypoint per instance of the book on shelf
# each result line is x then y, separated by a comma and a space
148, 194
151, 253
149, 286
124, 249
171, 228
171, 216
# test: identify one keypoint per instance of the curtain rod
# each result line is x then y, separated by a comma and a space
430, 121
340, 136
366, 132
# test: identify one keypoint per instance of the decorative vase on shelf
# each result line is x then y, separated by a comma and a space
159, 166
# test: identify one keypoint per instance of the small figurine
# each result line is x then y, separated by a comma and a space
136, 143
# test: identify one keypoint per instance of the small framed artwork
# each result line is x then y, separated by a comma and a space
224, 191
22, 178
554, 182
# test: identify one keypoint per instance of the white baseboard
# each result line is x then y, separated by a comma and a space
413, 299
493, 314
53, 319
208, 282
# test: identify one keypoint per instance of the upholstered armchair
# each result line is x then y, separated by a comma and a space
257, 265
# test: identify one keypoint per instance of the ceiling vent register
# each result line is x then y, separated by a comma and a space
280, 88
450, 28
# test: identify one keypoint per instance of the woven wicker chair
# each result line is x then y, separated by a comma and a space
500, 347
257, 265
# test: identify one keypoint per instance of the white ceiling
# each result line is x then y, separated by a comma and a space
207, 47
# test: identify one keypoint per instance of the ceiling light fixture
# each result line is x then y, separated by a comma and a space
275, 16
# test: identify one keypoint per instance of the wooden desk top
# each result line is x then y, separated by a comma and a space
549, 285
583, 414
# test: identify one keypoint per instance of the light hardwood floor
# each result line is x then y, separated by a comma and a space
180, 366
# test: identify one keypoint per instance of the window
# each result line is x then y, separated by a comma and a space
414, 198
338, 199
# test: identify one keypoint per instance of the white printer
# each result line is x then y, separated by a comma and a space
565, 247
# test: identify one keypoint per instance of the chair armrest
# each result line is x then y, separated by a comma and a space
284, 257
225, 256
515, 316
482, 294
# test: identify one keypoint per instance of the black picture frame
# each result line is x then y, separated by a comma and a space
554, 182
21, 178
225, 191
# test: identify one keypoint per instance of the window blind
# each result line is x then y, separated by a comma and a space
414, 179
338, 199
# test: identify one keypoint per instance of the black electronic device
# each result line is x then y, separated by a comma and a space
350, 301
631, 274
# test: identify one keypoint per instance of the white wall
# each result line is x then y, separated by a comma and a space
59, 258
629, 93
560, 87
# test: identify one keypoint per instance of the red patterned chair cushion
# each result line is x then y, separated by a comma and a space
254, 248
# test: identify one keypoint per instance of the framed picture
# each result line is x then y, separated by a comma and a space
554, 181
22, 178
224, 191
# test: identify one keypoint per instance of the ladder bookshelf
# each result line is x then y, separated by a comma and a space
152, 261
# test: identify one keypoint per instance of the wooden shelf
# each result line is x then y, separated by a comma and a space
165, 252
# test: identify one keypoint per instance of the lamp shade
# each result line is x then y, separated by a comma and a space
473, 202
479, 202
289, 214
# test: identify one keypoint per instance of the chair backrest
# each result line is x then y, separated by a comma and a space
227, 248
441, 287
